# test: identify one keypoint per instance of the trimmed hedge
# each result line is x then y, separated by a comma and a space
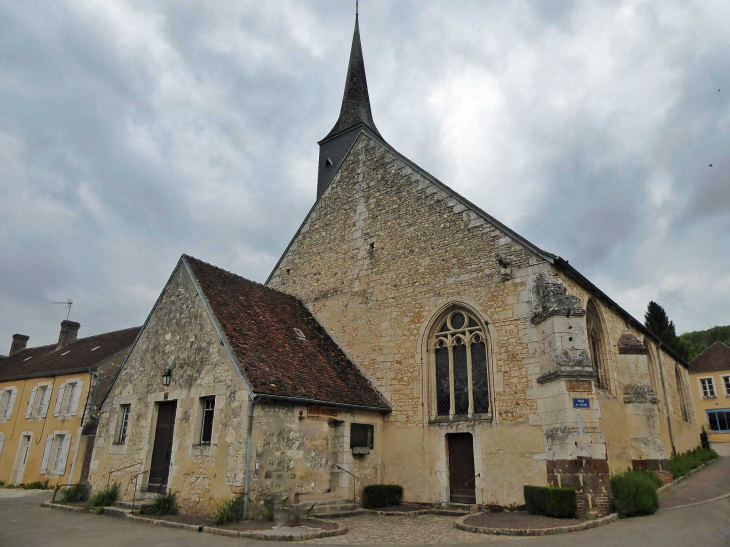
381, 495
634, 493
550, 501
682, 464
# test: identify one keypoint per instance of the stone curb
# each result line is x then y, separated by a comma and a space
318, 534
613, 517
680, 479
441, 512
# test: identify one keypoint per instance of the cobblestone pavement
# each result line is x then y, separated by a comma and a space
422, 529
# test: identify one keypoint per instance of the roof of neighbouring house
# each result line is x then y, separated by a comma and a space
716, 357
261, 327
51, 360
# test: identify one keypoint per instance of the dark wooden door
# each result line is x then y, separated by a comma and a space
162, 448
461, 468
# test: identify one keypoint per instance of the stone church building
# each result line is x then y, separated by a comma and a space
406, 337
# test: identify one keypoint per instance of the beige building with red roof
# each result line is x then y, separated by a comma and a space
47, 399
710, 379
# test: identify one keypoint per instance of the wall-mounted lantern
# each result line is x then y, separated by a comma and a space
166, 377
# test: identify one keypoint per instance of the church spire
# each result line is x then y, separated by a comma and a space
355, 101
354, 115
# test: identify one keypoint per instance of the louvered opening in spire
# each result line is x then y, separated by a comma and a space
355, 101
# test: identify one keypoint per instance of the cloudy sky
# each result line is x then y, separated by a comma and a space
133, 132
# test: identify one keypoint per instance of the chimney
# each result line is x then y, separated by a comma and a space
20, 341
69, 331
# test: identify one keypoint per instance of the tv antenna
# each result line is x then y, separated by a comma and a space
68, 305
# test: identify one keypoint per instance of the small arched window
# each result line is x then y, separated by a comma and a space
680, 393
596, 346
458, 352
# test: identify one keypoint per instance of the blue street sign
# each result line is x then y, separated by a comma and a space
581, 402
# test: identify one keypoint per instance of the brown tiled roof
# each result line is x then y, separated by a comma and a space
259, 324
83, 354
716, 357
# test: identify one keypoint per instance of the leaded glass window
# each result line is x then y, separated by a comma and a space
595, 345
460, 375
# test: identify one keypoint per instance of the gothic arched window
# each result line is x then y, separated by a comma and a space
652, 372
596, 346
458, 351
680, 393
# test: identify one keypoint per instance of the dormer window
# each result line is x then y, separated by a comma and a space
328, 162
300, 334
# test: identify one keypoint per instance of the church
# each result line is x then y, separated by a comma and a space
404, 337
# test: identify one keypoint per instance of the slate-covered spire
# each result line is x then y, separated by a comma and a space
354, 115
355, 101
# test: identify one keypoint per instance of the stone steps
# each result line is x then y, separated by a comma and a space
324, 505
138, 504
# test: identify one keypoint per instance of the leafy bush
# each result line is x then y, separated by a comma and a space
228, 510
164, 504
2, 483
105, 497
79, 492
99, 511
35, 485
634, 494
551, 502
381, 495
681, 464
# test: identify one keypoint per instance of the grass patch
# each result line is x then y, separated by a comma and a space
105, 497
78, 492
635, 493
681, 464
164, 504
37, 485
228, 510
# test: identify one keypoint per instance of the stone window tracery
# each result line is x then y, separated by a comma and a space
458, 352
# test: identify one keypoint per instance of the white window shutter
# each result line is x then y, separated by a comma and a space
2, 442
9, 408
29, 410
64, 455
76, 394
46, 454
42, 411
59, 399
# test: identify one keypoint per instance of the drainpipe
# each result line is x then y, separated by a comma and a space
666, 399
248, 457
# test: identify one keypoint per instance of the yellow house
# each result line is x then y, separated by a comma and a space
710, 379
47, 400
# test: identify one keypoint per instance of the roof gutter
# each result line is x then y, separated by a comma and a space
286, 399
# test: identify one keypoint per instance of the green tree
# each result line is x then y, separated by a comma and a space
657, 320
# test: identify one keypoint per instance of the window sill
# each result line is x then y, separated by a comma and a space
460, 418
710, 397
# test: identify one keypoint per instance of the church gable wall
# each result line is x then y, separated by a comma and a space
382, 252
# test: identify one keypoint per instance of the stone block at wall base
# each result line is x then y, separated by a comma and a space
659, 467
589, 477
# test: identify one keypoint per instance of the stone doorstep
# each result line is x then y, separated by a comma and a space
675, 482
296, 534
613, 517
138, 504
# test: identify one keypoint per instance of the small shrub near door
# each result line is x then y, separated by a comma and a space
634, 494
106, 497
228, 510
381, 495
164, 504
551, 502
79, 492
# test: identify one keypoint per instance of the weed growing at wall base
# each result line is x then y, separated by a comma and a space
681, 464
105, 497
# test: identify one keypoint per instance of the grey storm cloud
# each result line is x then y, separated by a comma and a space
131, 132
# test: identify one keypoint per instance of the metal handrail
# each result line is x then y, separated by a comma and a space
357, 479
473, 480
58, 486
136, 480
108, 475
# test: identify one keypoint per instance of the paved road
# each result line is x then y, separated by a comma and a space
702, 523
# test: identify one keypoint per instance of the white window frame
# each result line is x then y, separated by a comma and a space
726, 384
38, 404
124, 411
67, 399
7, 402
55, 454
706, 388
